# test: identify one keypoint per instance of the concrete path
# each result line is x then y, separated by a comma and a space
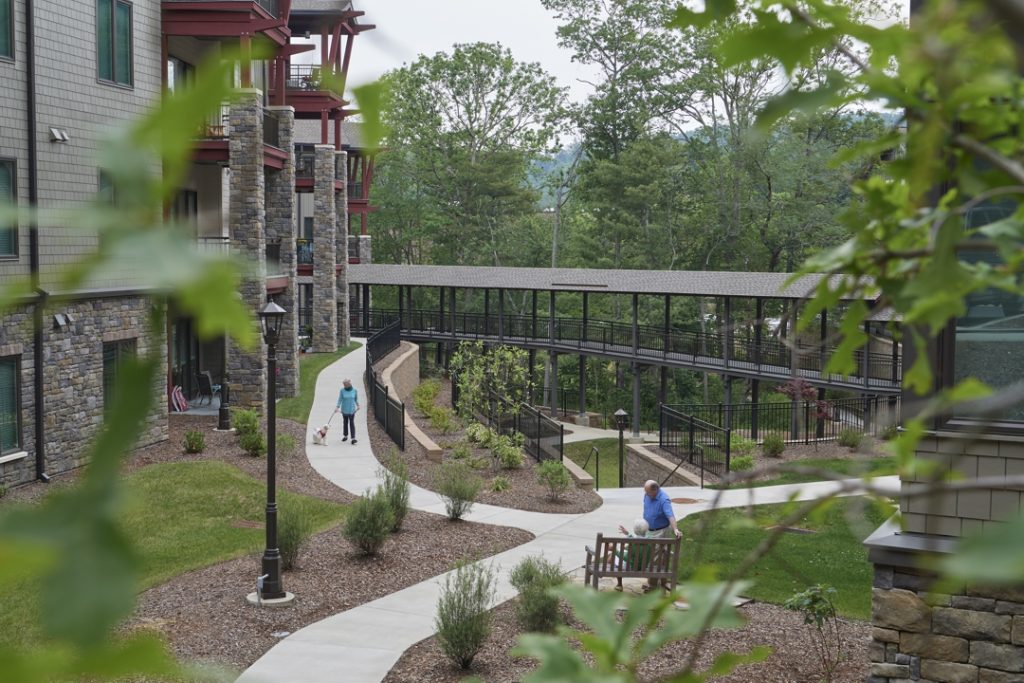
362, 644
581, 433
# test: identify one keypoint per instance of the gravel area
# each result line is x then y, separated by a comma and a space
523, 493
791, 662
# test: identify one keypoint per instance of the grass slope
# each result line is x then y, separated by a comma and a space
873, 467
608, 452
178, 517
310, 365
834, 555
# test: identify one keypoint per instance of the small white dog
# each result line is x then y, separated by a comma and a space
320, 435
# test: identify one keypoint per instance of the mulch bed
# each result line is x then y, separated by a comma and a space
793, 660
203, 614
524, 491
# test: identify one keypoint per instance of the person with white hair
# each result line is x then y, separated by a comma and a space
659, 515
631, 558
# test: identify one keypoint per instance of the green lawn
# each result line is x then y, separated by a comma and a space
834, 555
608, 450
875, 467
310, 364
179, 517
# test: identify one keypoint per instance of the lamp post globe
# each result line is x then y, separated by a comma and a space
271, 318
621, 422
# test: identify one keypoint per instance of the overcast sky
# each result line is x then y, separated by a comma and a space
409, 28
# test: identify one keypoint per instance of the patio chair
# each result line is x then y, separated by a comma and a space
206, 387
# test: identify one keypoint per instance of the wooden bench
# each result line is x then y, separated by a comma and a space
656, 559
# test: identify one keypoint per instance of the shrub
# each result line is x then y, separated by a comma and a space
3, 490
507, 453
394, 488
742, 463
773, 446
423, 396
850, 438
194, 441
458, 487
478, 463
246, 422
286, 445
461, 451
254, 444
739, 445
478, 433
890, 432
443, 419
463, 618
500, 483
534, 577
294, 527
369, 522
553, 475
819, 612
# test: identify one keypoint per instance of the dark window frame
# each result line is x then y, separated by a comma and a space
16, 359
112, 81
16, 253
10, 33
122, 349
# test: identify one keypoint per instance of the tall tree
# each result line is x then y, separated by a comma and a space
464, 129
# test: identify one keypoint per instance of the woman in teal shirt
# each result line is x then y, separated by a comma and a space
348, 406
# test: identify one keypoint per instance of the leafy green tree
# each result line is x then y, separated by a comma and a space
464, 128
481, 373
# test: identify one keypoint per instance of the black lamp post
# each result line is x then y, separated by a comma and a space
621, 422
271, 318
224, 412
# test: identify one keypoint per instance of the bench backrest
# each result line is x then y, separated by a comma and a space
640, 557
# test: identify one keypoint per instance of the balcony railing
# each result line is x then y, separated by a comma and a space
355, 190
271, 130
273, 252
216, 245
270, 5
304, 252
306, 77
305, 161
216, 127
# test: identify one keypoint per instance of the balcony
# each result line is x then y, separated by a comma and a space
309, 91
273, 254
271, 6
305, 162
304, 252
355, 191
353, 249
271, 130
215, 245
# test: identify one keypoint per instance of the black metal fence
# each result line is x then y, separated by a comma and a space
696, 442
800, 421
387, 410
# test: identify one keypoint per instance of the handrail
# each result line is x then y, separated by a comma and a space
874, 371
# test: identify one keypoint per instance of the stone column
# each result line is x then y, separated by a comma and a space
365, 249
281, 228
341, 212
247, 224
325, 303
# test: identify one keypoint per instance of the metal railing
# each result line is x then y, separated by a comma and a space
304, 251
718, 352
273, 259
305, 161
387, 410
800, 421
304, 77
217, 245
271, 130
355, 191
696, 442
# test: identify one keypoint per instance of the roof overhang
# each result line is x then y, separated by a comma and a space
222, 19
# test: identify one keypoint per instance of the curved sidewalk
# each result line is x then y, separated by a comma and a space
361, 645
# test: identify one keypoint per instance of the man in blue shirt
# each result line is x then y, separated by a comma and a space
659, 515
348, 405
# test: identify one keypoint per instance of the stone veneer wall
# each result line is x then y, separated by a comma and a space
325, 306
975, 635
73, 378
281, 228
341, 242
247, 224
365, 248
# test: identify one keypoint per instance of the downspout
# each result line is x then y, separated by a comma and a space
33, 237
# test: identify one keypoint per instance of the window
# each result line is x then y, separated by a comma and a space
114, 41
114, 354
6, 29
10, 405
8, 233
989, 336
179, 74
105, 192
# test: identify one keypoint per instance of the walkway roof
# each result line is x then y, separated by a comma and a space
677, 282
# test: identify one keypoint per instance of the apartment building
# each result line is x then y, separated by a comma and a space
105, 63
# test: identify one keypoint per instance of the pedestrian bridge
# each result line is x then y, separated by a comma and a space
743, 349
